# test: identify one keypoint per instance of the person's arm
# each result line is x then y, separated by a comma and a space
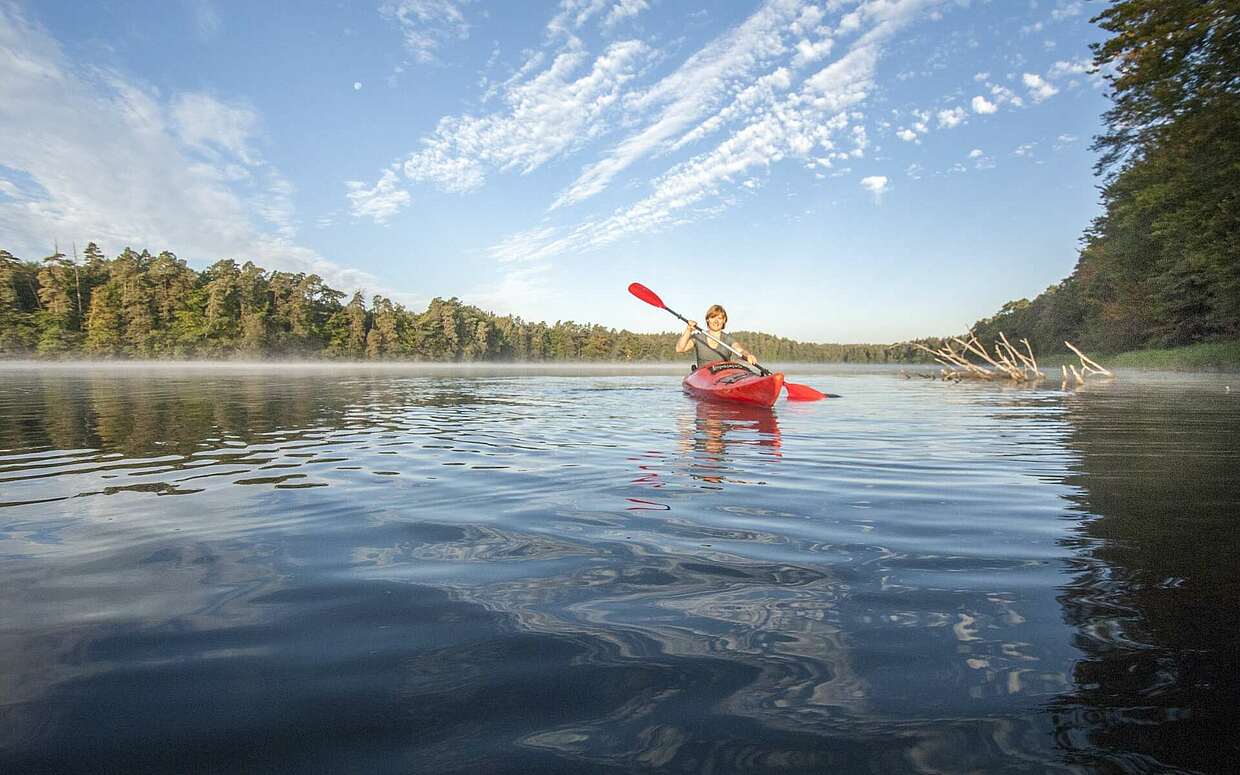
745, 353
686, 339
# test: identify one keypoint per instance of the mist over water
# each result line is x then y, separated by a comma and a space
578, 569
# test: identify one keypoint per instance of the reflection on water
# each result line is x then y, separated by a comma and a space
1154, 587
706, 429
399, 570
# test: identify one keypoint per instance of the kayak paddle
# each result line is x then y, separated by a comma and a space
795, 392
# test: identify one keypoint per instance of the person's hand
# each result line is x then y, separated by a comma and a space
752, 360
692, 326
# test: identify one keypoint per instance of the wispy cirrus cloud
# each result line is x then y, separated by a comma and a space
427, 24
559, 109
553, 105
786, 83
183, 172
697, 87
624, 10
215, 128
812, 119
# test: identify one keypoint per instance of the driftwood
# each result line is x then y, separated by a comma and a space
1004, 362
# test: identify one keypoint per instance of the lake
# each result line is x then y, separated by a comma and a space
438, 569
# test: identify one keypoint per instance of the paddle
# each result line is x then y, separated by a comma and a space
795, 392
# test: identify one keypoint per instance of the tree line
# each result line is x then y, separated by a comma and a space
138, 305
1161, 266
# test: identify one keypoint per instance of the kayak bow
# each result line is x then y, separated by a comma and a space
730, 381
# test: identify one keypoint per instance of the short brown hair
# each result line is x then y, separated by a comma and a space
717, 308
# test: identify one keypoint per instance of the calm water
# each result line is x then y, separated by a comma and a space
232, 570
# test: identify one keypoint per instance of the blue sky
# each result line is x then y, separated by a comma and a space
841, 170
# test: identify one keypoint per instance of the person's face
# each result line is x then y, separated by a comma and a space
715, 322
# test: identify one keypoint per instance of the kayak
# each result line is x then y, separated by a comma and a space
730, 381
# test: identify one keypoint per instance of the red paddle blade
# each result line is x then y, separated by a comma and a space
803, 392
646, 295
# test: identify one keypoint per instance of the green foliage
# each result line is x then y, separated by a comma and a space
1161, 266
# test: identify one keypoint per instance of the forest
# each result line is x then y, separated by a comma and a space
1161, 266
140, 306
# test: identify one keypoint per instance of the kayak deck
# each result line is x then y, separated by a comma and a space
731, 381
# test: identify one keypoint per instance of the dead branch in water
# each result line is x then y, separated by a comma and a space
1088, 366
1004, 362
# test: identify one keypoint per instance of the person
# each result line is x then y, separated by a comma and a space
705, 344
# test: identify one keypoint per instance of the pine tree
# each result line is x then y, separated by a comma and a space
255, 301
223, 305
105, 325
356, 312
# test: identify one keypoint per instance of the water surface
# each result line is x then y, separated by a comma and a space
398, 569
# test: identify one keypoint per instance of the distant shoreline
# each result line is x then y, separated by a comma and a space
1211, 357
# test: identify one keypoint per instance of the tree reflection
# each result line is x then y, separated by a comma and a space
1155, 584
140, 412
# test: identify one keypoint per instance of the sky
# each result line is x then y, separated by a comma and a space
833, 171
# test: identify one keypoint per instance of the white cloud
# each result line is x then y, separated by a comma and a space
693, 90
624, 9
517, 247
573, 14
519, 289
1063, 141
551, 114
809, 52
1069, 67
1066, 10
380, 203
907, 135
1024, 150
181, 174
975, 153
979, 77
1039, 89
760, 93
983, 105
820, 115
876, 185
427, 24
1072, 69
357, 86
952, 117
212, 126
1003, 95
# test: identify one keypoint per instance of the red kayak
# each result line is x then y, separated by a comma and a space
730, 381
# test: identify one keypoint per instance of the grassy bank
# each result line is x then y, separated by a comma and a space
1213, 356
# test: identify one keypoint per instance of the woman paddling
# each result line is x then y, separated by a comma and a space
706, 345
